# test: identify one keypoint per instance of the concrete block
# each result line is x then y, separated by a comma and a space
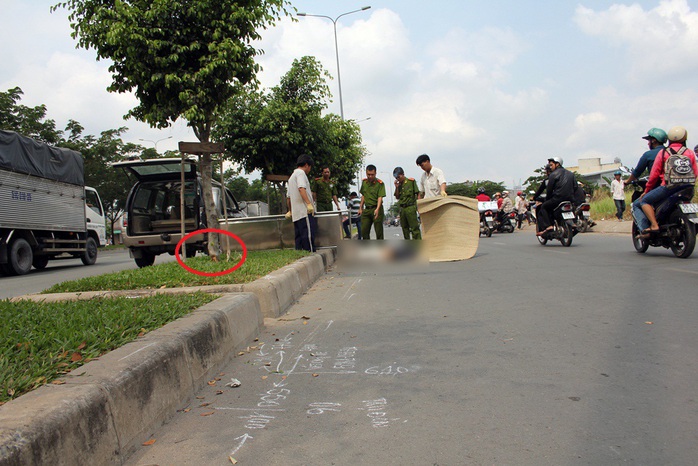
265, 290
59, 425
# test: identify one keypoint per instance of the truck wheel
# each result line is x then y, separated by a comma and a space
89, 257
20, 257
146, 261
40, 262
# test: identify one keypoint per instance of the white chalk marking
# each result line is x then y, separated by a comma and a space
243, 438
137, 351
298, 359
281, 360
249, 409
329, 324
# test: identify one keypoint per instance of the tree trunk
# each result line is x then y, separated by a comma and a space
205, 167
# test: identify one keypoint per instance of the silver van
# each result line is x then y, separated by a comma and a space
153, 215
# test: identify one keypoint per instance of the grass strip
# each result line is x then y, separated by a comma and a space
39, 343
172, 275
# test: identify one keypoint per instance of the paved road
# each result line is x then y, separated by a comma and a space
62, 270
465, 363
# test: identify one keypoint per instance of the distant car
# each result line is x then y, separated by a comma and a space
152, 220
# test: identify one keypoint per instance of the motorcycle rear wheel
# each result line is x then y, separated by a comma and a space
683, 246
488, 232
640, 244
585, 226
566, 238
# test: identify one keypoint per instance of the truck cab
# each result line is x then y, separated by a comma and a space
155, 213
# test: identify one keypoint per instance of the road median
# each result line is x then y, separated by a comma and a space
101, 412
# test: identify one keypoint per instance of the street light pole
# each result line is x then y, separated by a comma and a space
155, 143
336, 49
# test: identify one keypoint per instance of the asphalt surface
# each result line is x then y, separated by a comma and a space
523, 355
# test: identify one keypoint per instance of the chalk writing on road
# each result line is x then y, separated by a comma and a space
377, 412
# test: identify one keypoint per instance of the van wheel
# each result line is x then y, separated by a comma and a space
89, 257
147, 260
20, 257
40, 262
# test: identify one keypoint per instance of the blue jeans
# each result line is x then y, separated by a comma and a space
654, 198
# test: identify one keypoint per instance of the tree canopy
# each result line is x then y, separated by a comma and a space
470, 189
27, 121
180, 58
267, 131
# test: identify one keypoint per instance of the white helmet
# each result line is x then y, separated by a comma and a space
678, 134
556, 160
505, 193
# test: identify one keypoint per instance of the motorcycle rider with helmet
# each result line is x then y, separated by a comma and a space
656, 138
561, 186
481, 195
661, 176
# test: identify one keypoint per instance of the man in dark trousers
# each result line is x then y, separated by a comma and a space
561, 186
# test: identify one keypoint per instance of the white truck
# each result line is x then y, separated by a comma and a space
46, 211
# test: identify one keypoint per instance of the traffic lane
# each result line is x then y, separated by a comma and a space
61, 270
467, 363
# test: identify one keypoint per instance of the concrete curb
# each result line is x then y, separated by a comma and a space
107, 408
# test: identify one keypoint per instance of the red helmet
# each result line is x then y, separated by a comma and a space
519, 193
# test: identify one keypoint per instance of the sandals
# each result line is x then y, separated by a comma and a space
541, 233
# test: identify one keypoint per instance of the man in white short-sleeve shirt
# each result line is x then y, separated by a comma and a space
300, 204
433, 181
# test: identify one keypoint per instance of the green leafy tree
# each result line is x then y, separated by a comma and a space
268, 131
181, 58
469, 188
27, 121
98, 153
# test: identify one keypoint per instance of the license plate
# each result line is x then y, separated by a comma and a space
689, 208
586, 214
568, 215
488, 219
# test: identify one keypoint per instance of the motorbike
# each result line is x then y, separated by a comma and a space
506, 223
583, 215
564, 225
677, 218
488, 210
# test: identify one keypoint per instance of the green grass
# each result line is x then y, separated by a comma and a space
172, 275
603, 207
41, 342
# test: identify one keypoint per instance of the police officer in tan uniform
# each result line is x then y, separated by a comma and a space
406, 192
371, 209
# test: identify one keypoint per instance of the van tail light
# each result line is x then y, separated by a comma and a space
124, 221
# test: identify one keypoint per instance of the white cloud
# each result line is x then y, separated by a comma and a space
659, 41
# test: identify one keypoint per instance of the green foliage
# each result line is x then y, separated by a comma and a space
181, 58
469, 189
39, 342
27, 121
171, 275
258, 190
268, 131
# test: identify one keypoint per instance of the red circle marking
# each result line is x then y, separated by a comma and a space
211, 274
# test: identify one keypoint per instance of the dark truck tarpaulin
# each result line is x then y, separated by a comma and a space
24, 155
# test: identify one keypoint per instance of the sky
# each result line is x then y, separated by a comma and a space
489, 89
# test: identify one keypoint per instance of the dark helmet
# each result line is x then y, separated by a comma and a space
481, 190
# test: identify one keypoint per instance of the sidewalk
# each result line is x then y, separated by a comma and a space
612, 226
103, 411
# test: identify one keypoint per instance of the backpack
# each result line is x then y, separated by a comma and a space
678, 169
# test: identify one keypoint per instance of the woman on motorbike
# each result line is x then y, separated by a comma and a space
665, 174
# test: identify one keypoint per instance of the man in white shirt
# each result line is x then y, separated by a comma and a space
433, 181
300, 205
618, 191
